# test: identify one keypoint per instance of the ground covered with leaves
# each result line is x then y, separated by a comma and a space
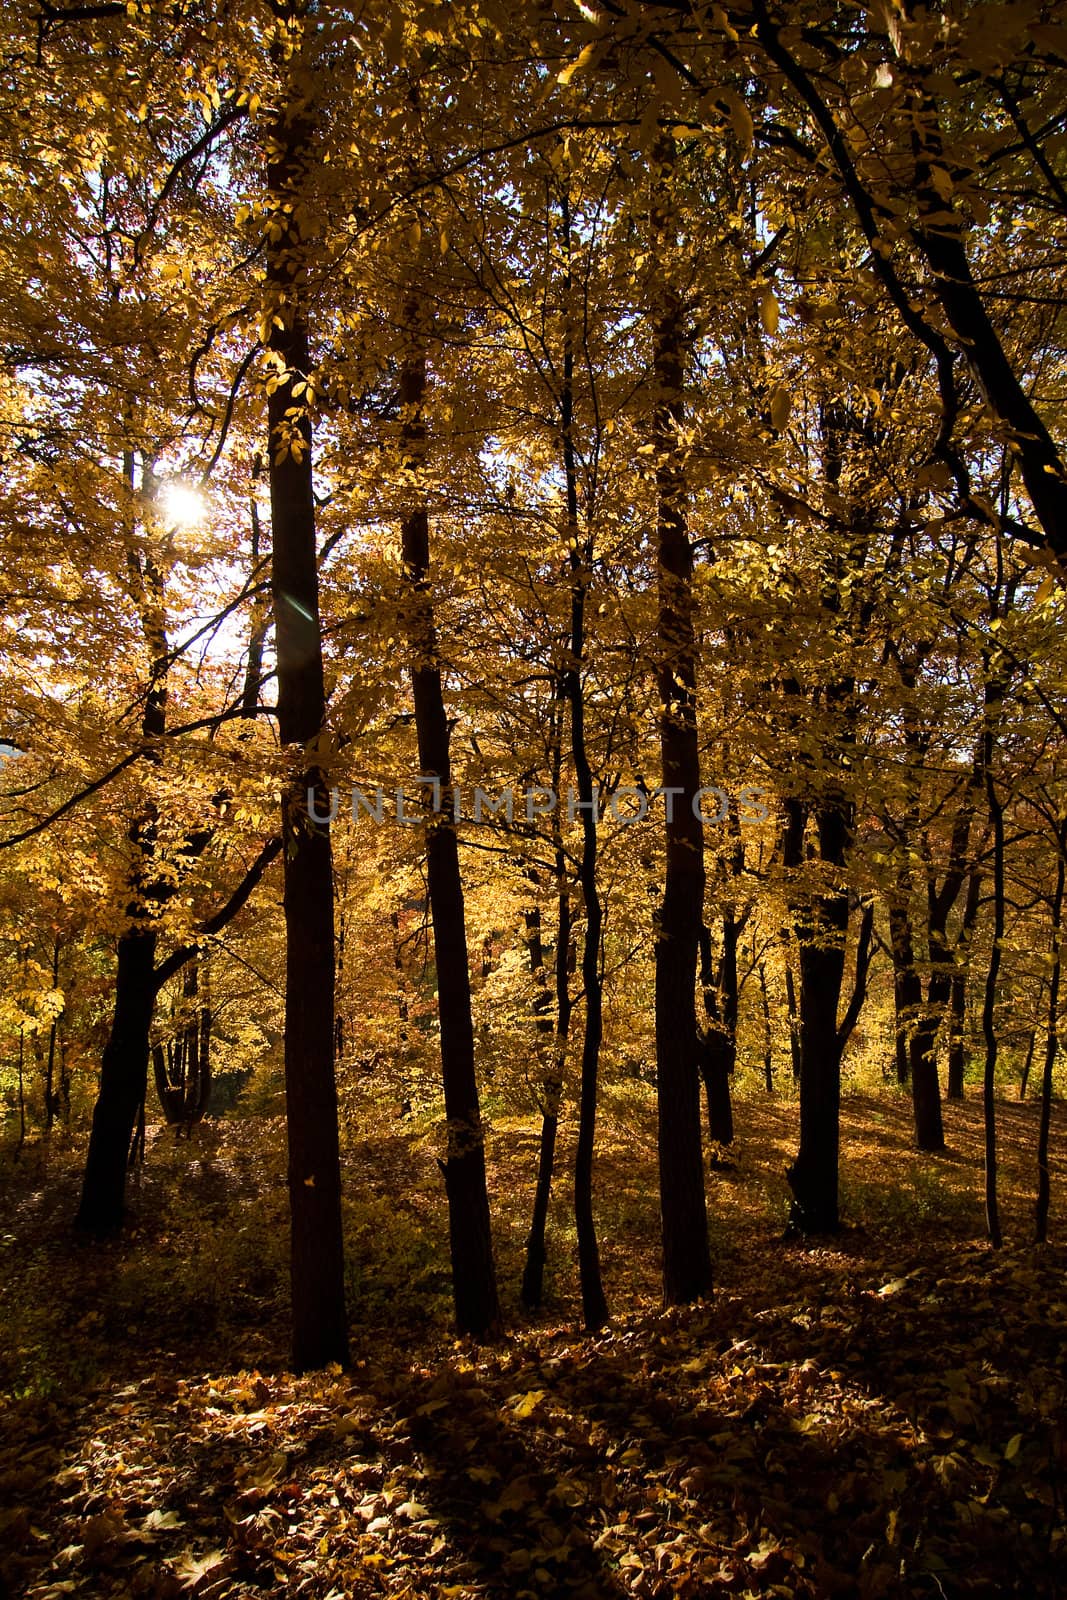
880, 1416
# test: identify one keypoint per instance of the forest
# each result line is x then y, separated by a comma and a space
533, 798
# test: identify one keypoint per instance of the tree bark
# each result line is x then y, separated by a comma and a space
821, 920
470, 1234
123, 1081
994, 691
124, 1063
957, 1042
683, 1207
1052, 1040
319, 1323
533, 1276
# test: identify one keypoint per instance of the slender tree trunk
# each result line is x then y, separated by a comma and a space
1024, 1076
907, 985
594, 1303
792, 1011
319, 1323
470, 1236
993, 695
957, 1043
551, 1089
718, 1043
768, 1036
1052, 1040
686, 1254
21, 1090
552, 1085
51, 1100
821, 926
124, 1063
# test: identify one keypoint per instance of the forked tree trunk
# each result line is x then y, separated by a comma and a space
319, 1324
470, 1236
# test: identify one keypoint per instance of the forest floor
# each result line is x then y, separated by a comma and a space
882, 1415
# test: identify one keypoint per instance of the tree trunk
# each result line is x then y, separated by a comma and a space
993, 695
470, 1236
925, 1085
718, 1042
123, 1081
821, 926
552, 1086
594, 1303
792, 1011
1052, 1039
533, 1277
51, 1099
319, 1323
957, 1043
907, 985
768, 1036
683, 1207
124, 1063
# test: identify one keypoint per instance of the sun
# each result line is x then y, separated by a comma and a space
183, 505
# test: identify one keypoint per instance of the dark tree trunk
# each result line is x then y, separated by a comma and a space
768, 1036
1024, 1076
994, 691
925, 1080
123, 1081
533, 1277
594, 1303
821, 920
925, 1085
124, 1063
182, 1064
51, 1098
718, 1042
470, 1236
957, 1041
907, 985
1052, 1040
683, 1206
793, 1012
319, 1323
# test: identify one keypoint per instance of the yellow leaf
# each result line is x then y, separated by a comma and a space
576, 66
768, 311
523, 1404
781, 406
